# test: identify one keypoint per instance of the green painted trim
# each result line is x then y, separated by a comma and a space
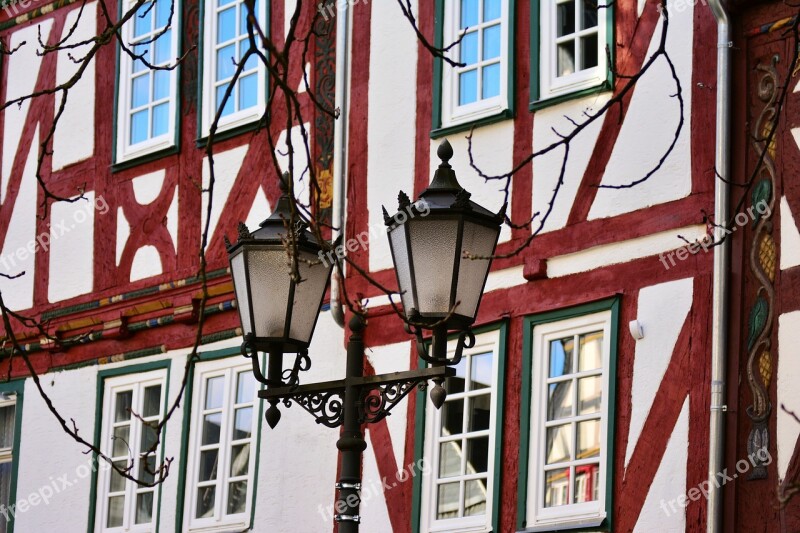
102, 375
185, 430
536, 50
145, 158
16, 386
609, 304
419, 427
438, 65
254, 126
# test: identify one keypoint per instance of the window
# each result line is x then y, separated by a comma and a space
10, 426
572, 46
225, 414
225, 41
133, 405
480, 88
570, 389
147, 99
459, 492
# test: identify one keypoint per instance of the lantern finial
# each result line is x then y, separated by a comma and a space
445, 153
284, 183
445, 177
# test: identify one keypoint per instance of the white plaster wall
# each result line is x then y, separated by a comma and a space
147, 187
146, 263
790, 237
662, 310
668, 484
649, 129
493, 153
72, 252
391, 136
259, 211
788, 429
547, 168
226, 169
73, 140
299, 160
23, 68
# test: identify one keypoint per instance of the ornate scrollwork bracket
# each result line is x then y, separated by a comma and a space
466, 339
327, 407
289, 377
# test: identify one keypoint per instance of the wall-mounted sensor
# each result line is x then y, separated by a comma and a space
637, 332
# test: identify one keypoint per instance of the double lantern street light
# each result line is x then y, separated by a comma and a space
441, 247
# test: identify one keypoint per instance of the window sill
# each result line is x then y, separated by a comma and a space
572, 95
585, 525
229, 133
505, 114
147, 157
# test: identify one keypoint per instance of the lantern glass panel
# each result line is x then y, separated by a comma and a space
269, 289
433, 250
239, 274
402, 263
307, 295
478, 241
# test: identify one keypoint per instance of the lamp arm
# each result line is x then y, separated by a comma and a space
291, 376
249, 351
466, 339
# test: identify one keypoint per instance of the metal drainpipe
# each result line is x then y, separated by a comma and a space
719, 331
340, 145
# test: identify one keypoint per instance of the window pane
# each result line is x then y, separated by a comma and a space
215, 389
138, 134
240, 459
565, 18
561, 357
237, 497
163, 48
450, 459
491, 42
475, 497
591, 355
163, 8
243, 423
468, 87
228, 103
152, 397
491, 81
469, 48
477, 455
481, 371
248, 96
147, 468
469, 13
589, 19
7, 420
211, 428
225, 66
559, 403
208, 464
480, 412
143, 20
116, 508
160, 119
243, 19
556, 487
246, 385
144, 508
122, 410
589, 51
559, 444
149, 436
566, 59
161, 84
142, 50
452, 418
588, 439
121, 442
455, 384
205, 502
587, 478
140, 92
447, 501
117, 482
590, 395
5, 484
491, 10
226, 25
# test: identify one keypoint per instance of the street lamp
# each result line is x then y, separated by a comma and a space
442, 259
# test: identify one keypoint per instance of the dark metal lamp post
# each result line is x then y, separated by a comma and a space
442, 257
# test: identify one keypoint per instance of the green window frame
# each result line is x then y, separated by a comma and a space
538, 99
610, 307
235, 356
13, 389
423, 410
102, 377
441, 126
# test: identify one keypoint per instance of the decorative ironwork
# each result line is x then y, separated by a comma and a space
377, 403
466, 339
327, 407
762, 266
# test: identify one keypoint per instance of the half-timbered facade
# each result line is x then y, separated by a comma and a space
585, 402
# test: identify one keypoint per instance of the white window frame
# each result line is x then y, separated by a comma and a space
484, 342
125, 151
587, 514
209, 111
452, 113
551, 85
228, 367
135, 382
